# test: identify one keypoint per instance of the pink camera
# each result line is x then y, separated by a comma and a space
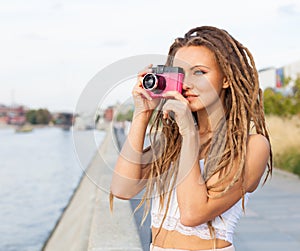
163, 79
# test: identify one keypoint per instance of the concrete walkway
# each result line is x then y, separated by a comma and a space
87, 223
272, 220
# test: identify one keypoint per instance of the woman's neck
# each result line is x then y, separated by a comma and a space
209, 119
208, 124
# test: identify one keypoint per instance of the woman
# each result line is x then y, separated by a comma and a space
199, 177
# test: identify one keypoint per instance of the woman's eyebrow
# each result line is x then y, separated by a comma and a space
196, 66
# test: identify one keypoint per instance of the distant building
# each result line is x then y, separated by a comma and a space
109, 113
275, 77
292, 70
63, 119
13, 115
267, 78
84, 121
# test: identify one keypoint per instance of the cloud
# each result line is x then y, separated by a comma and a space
114, 43
57, 6
289, 9
33, 36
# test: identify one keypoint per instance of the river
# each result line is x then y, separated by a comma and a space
38, 174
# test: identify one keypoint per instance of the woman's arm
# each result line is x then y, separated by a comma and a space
132, 165
129, 169
194, 204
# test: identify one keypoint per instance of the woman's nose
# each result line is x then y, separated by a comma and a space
187, 84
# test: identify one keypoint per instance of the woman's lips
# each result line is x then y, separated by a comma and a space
190, 96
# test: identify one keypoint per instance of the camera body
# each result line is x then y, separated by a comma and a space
162, 79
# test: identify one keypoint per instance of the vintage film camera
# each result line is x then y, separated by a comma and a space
162, 79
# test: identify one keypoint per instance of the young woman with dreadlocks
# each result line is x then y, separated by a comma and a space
198, 178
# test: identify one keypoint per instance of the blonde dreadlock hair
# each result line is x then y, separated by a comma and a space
243, 109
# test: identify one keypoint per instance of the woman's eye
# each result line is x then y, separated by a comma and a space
198, 72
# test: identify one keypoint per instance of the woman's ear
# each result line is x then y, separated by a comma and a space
225, 83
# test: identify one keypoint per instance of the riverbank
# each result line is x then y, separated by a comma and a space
87, 223
7, 126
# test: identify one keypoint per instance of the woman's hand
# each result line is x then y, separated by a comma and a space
143, 102
176, 104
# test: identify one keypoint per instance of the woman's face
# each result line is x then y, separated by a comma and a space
204, 80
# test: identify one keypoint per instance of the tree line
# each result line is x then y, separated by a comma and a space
39, 116
44, 117
280, 104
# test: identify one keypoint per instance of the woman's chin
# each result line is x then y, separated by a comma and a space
195, 106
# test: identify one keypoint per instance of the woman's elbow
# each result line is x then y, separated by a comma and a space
121, 195
125, 192
192, 220
120, 188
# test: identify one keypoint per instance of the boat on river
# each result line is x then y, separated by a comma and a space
24, 128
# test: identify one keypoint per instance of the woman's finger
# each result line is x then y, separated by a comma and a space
175, 107
147, 69
175, 95
139, 91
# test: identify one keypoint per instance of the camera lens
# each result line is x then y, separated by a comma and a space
149, 81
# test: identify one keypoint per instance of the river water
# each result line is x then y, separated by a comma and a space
38, 174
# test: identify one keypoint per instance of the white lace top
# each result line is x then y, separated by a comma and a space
224, 228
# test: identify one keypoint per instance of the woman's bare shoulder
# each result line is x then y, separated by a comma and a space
258, 139
257, 156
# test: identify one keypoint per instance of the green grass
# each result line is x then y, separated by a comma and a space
289, 160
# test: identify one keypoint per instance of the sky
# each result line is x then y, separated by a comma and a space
51, 49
